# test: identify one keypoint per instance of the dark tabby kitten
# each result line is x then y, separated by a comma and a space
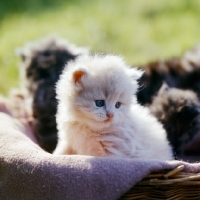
42, 63
182, 73
179, 112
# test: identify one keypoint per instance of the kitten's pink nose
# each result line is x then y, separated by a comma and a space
110, 115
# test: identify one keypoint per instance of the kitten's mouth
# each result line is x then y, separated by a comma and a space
107, 120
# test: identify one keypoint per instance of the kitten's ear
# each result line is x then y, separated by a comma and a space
136, 73
165, 87
20, 52
78, 76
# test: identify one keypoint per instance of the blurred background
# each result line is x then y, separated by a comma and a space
141, 31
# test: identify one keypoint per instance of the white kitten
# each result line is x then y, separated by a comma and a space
98, 114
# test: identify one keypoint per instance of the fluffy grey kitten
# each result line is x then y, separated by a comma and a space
98, 114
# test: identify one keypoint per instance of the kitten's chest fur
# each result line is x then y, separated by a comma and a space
133, 137
109, 141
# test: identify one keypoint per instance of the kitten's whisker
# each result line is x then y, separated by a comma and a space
141, 87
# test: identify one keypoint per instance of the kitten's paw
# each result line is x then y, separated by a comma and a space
63, 150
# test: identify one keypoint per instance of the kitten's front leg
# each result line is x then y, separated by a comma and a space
63, 149
102, 150
93, 147
115, 146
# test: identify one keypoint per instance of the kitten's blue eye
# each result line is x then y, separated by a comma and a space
99, 103
117, 105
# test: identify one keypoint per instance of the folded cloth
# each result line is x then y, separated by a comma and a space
27, 172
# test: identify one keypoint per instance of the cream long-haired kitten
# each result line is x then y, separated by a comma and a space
98, 114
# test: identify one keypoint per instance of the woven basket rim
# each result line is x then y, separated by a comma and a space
172, 184
175, 176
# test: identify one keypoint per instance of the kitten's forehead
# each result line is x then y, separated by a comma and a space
104, 87
106, 74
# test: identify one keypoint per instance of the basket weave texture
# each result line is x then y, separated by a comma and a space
170, 185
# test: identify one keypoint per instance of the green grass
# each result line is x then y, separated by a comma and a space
140, 31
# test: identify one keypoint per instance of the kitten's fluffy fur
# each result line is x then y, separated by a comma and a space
177, 109
182, 73
128, 131
179, 112
44, 60
42, 63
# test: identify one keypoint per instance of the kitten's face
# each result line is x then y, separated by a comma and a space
101, 95
45, 58
101, 107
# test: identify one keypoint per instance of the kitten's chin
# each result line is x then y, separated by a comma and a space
94, 123
107, 121
99, 125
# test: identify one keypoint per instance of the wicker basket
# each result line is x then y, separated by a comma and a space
171, 185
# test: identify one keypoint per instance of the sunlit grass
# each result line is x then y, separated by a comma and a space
138, 30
